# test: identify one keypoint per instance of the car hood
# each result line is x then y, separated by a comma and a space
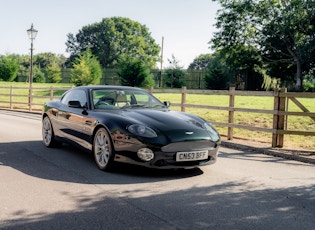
177, 126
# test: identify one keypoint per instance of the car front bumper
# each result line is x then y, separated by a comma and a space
165, 157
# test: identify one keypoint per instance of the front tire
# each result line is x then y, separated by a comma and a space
48, 133
103, 150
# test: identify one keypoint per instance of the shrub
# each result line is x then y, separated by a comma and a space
133, 72
86, 69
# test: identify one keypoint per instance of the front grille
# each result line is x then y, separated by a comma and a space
188, 146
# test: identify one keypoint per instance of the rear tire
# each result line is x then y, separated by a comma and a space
103, 150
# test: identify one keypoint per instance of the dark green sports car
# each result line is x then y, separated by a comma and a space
129, 125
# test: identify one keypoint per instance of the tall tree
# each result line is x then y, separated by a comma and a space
282, 30
217, 73
288, 36
115, 38
86, 69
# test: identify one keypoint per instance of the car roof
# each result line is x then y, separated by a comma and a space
115, 87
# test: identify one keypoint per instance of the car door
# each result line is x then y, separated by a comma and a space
70, 119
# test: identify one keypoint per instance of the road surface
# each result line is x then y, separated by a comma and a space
42, 188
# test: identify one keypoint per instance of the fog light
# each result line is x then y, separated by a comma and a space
145, 154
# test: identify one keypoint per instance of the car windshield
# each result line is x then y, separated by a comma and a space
116, 99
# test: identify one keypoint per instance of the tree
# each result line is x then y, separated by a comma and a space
236, 41
49, 64
200, 62
174, 75
282, 31
53, 73
44, 60
86, 69
8, 68
114, 38
133, 72
39, 76
288, 37
217, 74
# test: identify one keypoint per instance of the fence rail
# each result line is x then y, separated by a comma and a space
12, 98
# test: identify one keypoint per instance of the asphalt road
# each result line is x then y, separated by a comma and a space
62, 188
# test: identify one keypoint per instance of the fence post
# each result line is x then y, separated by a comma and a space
51, 93
278, 120
11, 97
30, 100
231, 112
183, 98
151, 90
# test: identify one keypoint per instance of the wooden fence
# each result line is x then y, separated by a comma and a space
15, 97
279, 112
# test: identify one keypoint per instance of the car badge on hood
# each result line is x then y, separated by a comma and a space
189, 133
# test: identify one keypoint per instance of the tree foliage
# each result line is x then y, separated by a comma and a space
39, 76
86, 69
133, 72
46, 66
174, 75
8, 68
281, 31
53, 73
44, 60
201, 62
50, 66
113, 39
217, 74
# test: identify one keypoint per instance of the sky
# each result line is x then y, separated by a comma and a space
187, 26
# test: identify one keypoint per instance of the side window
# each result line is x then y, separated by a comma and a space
141, 98
66, 98
74, 95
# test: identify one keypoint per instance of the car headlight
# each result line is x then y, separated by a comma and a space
142, 130
213, 132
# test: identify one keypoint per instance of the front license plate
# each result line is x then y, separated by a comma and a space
191, 156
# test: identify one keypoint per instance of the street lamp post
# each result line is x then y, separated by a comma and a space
32, 35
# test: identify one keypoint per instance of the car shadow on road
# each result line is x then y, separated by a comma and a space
70, 164
219, 206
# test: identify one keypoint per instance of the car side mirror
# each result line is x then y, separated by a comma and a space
167, 103
74, 104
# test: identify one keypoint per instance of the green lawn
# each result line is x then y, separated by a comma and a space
252, 119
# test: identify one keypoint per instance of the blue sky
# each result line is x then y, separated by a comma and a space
187, 26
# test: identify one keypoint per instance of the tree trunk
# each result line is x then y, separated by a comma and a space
298, 84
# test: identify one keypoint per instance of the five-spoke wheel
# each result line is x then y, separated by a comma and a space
48, 133
103, 150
